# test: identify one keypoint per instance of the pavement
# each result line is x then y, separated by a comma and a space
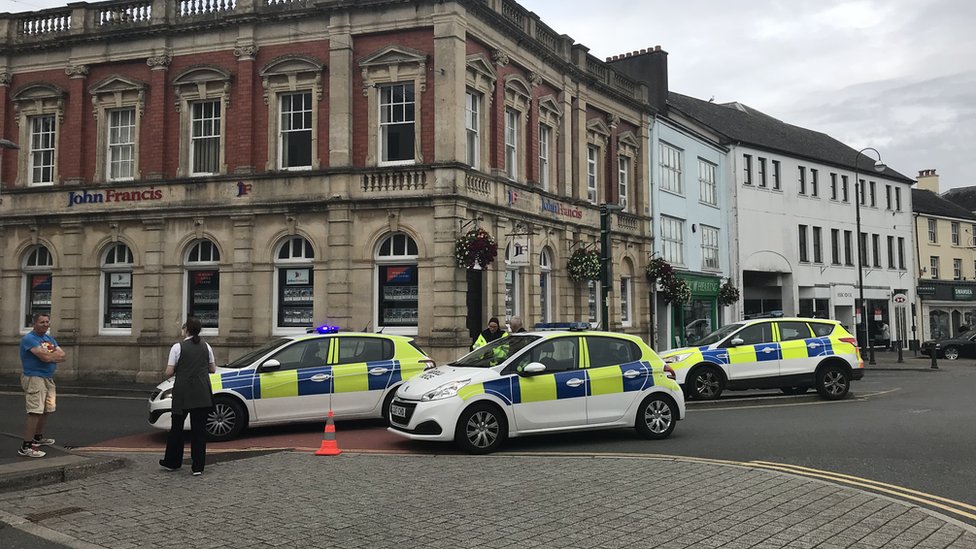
92, 499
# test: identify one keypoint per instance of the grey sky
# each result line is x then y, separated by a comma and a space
896, 75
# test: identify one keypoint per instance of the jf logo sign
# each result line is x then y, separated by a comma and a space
518, 254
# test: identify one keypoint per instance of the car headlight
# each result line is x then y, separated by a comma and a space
447, 390
168, 393
676, 358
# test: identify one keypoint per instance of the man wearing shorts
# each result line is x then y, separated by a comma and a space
39, 355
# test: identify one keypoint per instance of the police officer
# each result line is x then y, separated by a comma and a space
489, 334
515, 325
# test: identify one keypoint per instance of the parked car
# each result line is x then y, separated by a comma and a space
963, 345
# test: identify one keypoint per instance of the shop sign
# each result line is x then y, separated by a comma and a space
962, 294
899, 299
877, 314
519, 252
843, 295
113, 195
701, 285
925, 289
558, 208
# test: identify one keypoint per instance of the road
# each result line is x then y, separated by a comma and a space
907, 428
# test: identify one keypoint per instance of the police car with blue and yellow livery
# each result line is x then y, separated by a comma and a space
791, 354
300, 378
541, 382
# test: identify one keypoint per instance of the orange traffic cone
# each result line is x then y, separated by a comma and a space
329, 446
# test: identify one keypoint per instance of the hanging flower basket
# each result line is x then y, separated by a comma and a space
476, 247
658, 269
584, 265
727, 294
675, 290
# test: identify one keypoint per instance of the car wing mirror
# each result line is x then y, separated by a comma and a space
532, 368
269, 365
736, 341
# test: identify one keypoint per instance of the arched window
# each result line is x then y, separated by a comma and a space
203, 283
397, 284
117, 289
38, 265
594, 303
545, 285
293, 263
513, 292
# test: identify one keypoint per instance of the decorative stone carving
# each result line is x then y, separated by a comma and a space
76, 71
613, 120
500, 58
159, 62
246, 52
535, 78
6, 78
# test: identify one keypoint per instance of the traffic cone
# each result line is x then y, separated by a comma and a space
329, 446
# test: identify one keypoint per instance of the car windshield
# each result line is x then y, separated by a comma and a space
248, 358
719, 335
496, 352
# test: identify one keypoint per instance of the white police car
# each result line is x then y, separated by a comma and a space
541, 382
299, 378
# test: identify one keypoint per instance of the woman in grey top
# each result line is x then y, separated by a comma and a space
192, 361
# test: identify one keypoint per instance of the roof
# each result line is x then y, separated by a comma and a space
741, 123
927, 202
963, 196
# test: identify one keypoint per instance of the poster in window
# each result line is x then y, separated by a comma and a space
398, 297
295, 298
296, 276
205, 296
120, 280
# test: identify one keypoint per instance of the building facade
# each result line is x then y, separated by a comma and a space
271, 166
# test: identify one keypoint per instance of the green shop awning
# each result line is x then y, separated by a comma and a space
701, 285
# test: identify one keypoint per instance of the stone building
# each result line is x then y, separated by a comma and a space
271, 165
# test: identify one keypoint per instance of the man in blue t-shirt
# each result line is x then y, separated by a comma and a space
39, 355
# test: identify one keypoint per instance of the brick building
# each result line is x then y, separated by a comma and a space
269, 165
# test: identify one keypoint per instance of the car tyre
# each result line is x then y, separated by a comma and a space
656, 417
481, 429
951, 353
705, 383
833, 382
794, 390
387, 401
227, 419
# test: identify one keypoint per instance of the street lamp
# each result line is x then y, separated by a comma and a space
879, 166
5, 144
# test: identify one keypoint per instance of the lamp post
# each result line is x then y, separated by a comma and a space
879, 166
5, 144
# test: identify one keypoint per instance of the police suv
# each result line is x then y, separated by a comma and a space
300, 378
791, 354
541, 382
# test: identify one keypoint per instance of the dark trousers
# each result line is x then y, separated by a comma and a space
198, 440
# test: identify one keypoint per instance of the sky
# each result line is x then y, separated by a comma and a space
895, 75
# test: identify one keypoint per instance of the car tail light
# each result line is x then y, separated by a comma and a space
669, 371
857, 350
429, 364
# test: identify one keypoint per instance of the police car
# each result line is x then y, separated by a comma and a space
541, 382
299, 378
792, 354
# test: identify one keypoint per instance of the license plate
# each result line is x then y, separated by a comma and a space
398, 411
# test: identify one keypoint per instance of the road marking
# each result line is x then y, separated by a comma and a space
817, 402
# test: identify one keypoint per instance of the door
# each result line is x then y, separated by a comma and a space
475, 318
300, 387
557, 397
616, 377
757, 356
362, 367
801, 349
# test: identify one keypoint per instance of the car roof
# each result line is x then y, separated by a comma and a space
314, 335
789, 319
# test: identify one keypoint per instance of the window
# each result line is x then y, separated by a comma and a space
396, 127
845, 188
472, 125
790, 331
706, 182
671, 168
756, 334
709, 247
803, 244
623, 178
625, 313
954, 233
513, 285
38, 265
933, 231
891, 252
873, 186
117, 290
802, 179
898, 199
862, 193
610, 351
863, 246
835, 246
901, 252
41, 154
776, 175
747, 169
205, 146
848, 248
545, 168
594, 305
203, 284
673, 240
545, 285
294, 285
121, 144
817, 245
559, 355
957, 269
814, 183
833, 186
397, 280
592, 160
887, 197
876, 248
934, 266
295, 130
761, 171
511, 143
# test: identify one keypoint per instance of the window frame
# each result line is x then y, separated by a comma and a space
933, 230
707, 185
816, 234
934, 266
406, 102
403, 252
38, 261
545, 284
112, 130
802, 245
623, 181
196, 85
284, 134
626, 302
37, 100
109, 266
710, 248
300, 255
954, 233
592, 173
190, 266
672, 245
670, 168
956, 269
472, 128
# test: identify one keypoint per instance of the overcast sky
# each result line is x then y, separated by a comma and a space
896, 75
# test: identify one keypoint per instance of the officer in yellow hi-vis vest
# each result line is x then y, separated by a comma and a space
490, 334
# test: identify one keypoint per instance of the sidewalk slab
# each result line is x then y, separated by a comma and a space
59, 465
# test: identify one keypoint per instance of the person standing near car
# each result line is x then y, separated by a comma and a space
515, 325
39, 356
489, 334
192, 361
886, 335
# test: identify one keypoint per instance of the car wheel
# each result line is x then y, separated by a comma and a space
387, 401
656, 417
480, 429
833, 382
951, 353
227, 419
706, 383
794, 390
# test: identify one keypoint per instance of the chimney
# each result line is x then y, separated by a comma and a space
649, 66
928, 180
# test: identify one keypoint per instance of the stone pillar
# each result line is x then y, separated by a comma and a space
578, 145
154, 124
450, 64
152, 281
342, 270
7, 159
340, 121
242, 289
73, 150
498, 116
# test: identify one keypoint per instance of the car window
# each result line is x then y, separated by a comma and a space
789, 331
495, 352
608, 351
558, 354
353, 350
718, 335
304, 354
246, 360
821, 329
756, 334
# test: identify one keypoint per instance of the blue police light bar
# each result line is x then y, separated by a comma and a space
572, 326
323, 329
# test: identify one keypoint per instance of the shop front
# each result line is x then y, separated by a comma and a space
699, 316
948, 308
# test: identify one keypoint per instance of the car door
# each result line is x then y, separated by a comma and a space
556, 397
799, 348
757, 356
362, 367
298, 387
615, 377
